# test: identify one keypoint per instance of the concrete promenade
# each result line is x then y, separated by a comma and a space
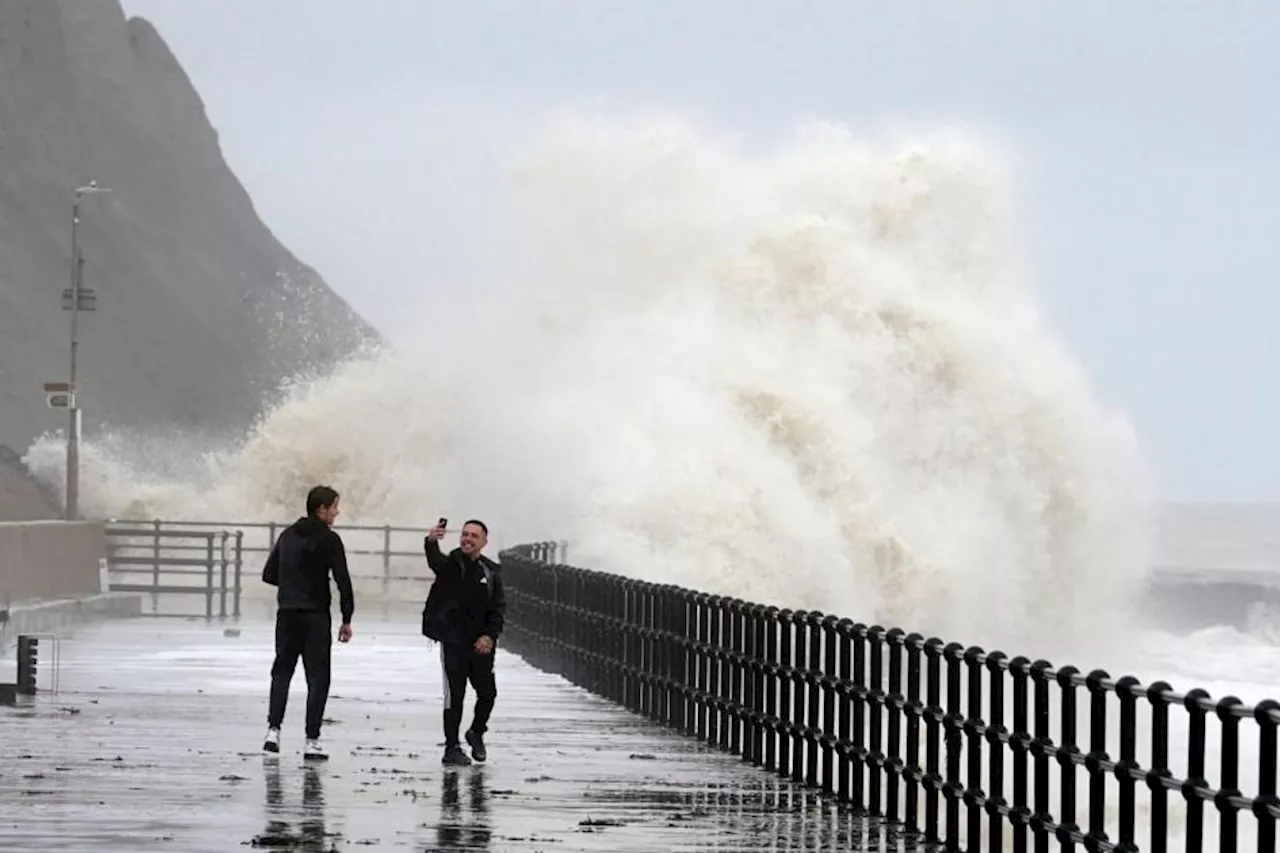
153, 743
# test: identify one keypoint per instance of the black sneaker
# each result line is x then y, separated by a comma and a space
455, 756
477, 746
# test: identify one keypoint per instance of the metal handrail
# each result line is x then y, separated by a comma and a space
220, 560
175, 547
850, 708
159, 529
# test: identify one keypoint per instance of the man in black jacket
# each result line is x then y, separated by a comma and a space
464, 613
299, 566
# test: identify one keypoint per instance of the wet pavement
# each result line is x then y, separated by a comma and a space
153, 743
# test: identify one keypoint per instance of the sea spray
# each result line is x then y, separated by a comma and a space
813, 376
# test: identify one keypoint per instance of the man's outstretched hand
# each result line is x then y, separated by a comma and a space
344, 633
484, 645
436, 533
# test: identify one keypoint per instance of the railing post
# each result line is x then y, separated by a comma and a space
1159, 765
707, 663
769, 689
1230, 772
933, 733
625, 644
715, 651
830, 683
895, 706
690, 662
1126, 691
587, 635
728, 676
1067, 750
1096, 685
680, 655
1267, 713
1020, 746
675, 656
641, 605
155, 570
860, 690
239, 569
208, 580
797, 685
617, 632
386, 559
783, 688
575, 628
1040, 749
655, 667
1195, 768
995, 733
875, 701
737, 671
639, 646
662, 612
626, 638
915, 713
222, 586
844, 672
782, 697
973, 721
813, 698
644, 646
756, 641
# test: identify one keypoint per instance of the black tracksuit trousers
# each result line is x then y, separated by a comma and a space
309, 635
462, 663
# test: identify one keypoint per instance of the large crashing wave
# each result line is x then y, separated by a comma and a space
813, 377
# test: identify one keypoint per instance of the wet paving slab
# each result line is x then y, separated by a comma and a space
153, 741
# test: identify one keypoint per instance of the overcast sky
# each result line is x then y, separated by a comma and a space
1146, 135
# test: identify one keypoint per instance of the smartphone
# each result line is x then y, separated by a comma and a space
443, 523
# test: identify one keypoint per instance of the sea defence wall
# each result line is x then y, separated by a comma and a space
51, 577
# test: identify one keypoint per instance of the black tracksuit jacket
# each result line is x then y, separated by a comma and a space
299, 567
465, 601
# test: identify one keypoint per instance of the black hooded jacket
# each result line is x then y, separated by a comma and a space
299, 567
466, 599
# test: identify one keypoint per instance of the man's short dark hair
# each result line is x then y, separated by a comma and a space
478, 523
320, 496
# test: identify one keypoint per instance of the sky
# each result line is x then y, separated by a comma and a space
1143, 138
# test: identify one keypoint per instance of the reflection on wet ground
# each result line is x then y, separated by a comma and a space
153, 743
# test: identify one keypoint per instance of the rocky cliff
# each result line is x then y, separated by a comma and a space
200, 310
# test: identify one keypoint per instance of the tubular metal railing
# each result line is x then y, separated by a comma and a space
165, 557
956, 743
177, 561
384, 553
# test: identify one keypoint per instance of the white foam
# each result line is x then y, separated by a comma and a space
813, 376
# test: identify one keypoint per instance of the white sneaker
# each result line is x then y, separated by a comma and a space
314, 750
272, 743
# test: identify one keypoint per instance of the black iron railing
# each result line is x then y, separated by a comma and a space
956, 743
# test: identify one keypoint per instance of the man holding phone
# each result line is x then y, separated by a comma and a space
464, 613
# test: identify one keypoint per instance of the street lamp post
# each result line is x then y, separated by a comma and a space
77, 299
